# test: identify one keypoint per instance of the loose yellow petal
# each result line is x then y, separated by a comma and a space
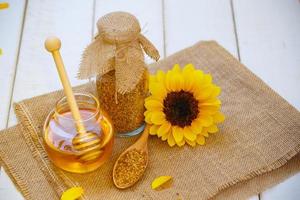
160, 181
153, 105
72, 193
163, 129
153, 129
4, 5
177, 134
188, 134
218, 117
200, 139
158, 118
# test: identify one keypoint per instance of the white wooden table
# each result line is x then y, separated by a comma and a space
262, 34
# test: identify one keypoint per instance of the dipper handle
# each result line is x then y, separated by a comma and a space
53, 44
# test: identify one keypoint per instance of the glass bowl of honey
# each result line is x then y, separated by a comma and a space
60, 129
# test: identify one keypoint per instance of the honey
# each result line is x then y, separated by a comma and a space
60, 129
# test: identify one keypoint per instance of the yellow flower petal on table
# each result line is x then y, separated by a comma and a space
158, 117
218, 117
171, 140
160, 181
153, 105
153, 129
157, 90
72, 193
189, 134
4, 5
163, 129
200, 139
177, 134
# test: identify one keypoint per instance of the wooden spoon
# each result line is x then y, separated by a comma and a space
139, 148
88, 144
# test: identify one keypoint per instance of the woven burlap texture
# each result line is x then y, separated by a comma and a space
257, 146
118, 46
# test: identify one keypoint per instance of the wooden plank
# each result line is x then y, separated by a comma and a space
36, 73
11, 26
72, 23
268, 35
189, 21
149, 14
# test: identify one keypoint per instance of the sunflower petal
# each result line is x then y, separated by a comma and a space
163, 129
153, 105
166, 136
180, 144
218, 117
153, 129
176, 69
212, 129
160, 76
196, 126
189, 134
158, 118
177, 134
191, 143
176, 82
200, 139
205, 120
157, 89
171, 140
148, 118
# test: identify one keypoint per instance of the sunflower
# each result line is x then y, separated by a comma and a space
183, 106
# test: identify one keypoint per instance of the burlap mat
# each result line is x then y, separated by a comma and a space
257, 145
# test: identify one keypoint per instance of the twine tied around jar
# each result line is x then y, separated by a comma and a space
118, 46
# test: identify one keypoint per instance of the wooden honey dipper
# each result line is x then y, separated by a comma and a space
88, 144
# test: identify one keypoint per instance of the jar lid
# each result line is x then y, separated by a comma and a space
118, 27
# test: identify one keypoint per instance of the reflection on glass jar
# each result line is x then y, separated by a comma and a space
60, 129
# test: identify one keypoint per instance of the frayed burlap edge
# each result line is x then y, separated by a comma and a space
56, 178
18, 181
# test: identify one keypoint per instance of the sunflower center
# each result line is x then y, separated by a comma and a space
180, 108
